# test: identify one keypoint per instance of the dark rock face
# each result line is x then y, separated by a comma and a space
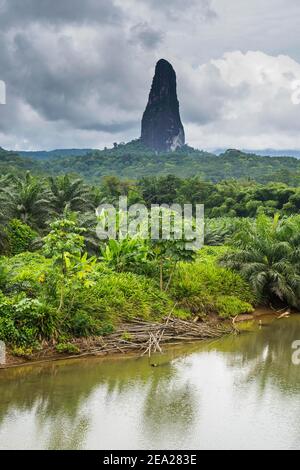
162, 129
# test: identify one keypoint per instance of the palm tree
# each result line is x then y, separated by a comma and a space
26, 199
69, 194
267, 254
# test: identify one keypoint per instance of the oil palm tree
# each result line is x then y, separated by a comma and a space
69, 194
25, 198
267, 254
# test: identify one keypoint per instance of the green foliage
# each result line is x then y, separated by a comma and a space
219, 231
3, 275
65, 238
26, 272
123, 296
69, 194
64, 292
20, 236
126, 254
267, 255
64, 245
67, 348
231, 306
134, 161
21, 351
201, 286
25, 198
83, 325
24, 322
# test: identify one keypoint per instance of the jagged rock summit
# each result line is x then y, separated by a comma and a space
162, 129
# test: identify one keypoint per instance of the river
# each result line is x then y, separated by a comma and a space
240, 392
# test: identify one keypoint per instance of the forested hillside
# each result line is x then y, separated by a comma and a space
133, 161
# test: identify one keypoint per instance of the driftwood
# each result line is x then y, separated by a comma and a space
139, 338
148, 337
284, 315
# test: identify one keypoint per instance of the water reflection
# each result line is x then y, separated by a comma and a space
58, 394
267, 354
200, 396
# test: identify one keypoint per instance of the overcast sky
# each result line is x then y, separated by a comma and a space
78, 73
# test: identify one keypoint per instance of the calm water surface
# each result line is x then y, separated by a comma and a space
236, 393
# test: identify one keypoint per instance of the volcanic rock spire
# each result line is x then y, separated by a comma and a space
162, 129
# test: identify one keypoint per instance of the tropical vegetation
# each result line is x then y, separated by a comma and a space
59, 281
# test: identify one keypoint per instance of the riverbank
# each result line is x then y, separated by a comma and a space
137, 338
140, 338
113, 402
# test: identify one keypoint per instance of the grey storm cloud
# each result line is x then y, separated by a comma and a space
177, 8
13, 12
78, 73
146, 35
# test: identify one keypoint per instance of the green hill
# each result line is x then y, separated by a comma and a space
45, 155
134, 161
11, 162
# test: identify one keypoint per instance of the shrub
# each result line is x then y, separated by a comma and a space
22, 352
128, 296
25, 272
229, 306
67, 348
127, 254
122, 296
201, 286
3, 276
24, 322
20, 236
83, 325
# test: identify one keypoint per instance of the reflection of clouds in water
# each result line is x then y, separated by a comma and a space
266, 356
66, 433
63, 398
168, 403
229, 392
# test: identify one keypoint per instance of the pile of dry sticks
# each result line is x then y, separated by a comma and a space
148, 337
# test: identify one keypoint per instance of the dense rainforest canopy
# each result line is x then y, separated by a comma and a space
58, 281
134, 161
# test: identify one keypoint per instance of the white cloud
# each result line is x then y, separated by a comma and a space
79, 73
243, 99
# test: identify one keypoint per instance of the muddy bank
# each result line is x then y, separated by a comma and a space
136, 337
144, 338
263, 312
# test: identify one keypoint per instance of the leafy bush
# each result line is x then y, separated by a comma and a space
25, 272
122, 296
229, 306
26, 321
21, 351
84, 325
3, 275
201, 286
125, 255
67, 348
20, 236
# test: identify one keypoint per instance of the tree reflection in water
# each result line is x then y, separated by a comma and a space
78, 404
